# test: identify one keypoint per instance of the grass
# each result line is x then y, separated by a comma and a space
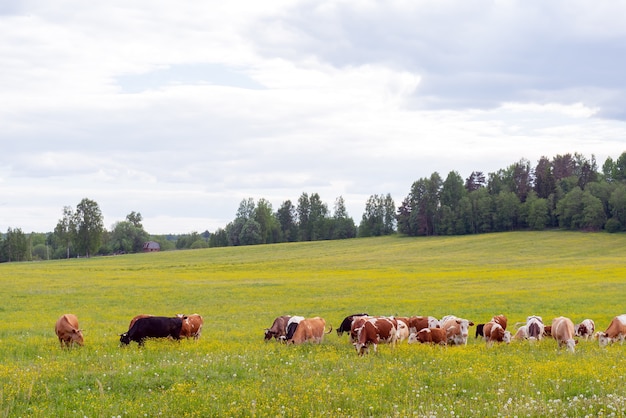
230, 371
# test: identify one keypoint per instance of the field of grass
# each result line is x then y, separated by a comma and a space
231, 371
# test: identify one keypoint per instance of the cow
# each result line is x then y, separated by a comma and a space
457, 329
357, 323
132, 321
547, 331
500, 320
346, 324
494, 332
417, 323
480, 330
152, 327
402, 329
278, 330
522, 333
309, 329
585, 329
429, 336
535, 327
192, 325
616, 330
563, 333
68, 332
373, 332
292, 325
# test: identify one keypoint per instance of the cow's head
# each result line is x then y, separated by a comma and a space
77, 336
125, 338
269, 334
507, 337
603, 339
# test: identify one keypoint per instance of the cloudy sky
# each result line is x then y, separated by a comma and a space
181, 109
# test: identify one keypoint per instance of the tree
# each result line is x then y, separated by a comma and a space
268, 224
617, 205
127, 237
15, 246
89, 227
65, 229
219, 238
342, 226
286, 216
545, 184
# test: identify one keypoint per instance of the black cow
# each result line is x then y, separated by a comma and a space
479, 330
346, 325
152, 327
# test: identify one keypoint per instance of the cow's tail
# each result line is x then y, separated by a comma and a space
330, 330
518, 324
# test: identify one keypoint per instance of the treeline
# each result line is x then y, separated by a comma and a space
567, 191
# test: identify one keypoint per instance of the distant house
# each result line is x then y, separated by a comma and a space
151, 246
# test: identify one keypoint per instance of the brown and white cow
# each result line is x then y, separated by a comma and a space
429, 336
494, 332
521, 334
563, 332
535, 327
615, 331
402, 329
192, 326
278, 328
418, 323
373, 332
66, 328
357, 323
585, 329
310, 330
457, 329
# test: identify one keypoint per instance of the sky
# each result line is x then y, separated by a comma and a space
179, 110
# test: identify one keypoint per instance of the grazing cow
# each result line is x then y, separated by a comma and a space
563, 332
547, 331
66, 328
309, 329
402, 329
152, 327
500, 320
357, 323
429, 336
373, 332
522, 333
480, 330
292, 325
616, 330
132, 321
192, 325
494, 332
417, 323
278, 330
457, 329
585, 329
534, 327
346, 324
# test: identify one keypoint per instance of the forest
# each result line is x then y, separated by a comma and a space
566, 191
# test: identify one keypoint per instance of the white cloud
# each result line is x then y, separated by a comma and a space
179, 110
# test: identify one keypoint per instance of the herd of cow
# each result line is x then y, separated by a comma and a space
140, 328
368, 331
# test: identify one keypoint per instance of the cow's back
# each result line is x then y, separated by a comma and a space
156, 327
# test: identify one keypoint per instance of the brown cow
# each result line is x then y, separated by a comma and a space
616, 330
494, 332
430, 336
374, 331
278, 330
563, 332
500, 320
192, 326
357, 323
66, 328
310, 329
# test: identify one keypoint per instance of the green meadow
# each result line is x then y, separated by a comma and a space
231, 371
